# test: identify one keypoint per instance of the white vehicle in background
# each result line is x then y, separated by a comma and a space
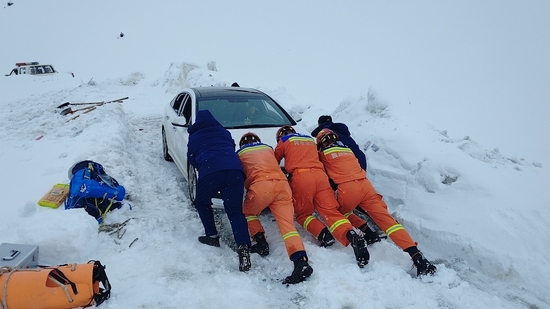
32, 68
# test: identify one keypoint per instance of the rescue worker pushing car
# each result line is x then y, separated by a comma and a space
267, 186
211, 150
355, 189
344, 135
311, 192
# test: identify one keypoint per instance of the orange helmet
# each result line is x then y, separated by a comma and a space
248, 138
284, 130
326, 138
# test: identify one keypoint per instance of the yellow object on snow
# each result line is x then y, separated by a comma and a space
55, 197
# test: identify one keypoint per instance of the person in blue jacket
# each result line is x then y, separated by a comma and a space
325, 122
211, 150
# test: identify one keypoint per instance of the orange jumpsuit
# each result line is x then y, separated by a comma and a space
310, 187
266, 185
355, 189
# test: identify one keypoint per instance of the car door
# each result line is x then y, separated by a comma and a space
170, 114
181, 137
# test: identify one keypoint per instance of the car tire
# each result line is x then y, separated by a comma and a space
192, 184
165, 153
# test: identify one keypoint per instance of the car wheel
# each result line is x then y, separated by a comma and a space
192, 183
165, 153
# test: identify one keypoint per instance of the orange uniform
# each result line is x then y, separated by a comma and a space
355, 189
267, 186
310, 187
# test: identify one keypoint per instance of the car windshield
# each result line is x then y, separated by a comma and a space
249, 110
41, 69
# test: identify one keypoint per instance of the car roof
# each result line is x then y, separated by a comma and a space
206, 92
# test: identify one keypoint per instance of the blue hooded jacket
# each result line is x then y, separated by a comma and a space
211, 147
345, 137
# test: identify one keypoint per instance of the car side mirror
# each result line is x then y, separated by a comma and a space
180, 123
296, 116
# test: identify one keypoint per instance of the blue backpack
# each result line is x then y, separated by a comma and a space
92, 189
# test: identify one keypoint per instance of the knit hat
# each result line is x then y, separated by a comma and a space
323, 119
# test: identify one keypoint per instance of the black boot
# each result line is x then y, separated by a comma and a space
423, 266
325, 238
261, 246
301, 271
359, 248
369, 235
244, 258
210, 240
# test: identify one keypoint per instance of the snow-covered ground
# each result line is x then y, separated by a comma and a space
477, 211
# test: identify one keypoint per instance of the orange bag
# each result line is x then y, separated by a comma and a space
54, 287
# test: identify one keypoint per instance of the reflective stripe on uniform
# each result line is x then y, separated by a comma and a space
348, 214
302, 139
394, 228
251, 218
330, 150
291, 234
338, 223
246, 149
308, 220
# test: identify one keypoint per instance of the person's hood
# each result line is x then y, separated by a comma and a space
204, 119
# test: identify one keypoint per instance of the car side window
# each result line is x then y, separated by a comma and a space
177, 102
185, 109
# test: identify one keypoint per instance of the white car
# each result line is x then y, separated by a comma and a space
239, 110
32, 68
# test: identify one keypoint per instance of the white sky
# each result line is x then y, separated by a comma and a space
473, 69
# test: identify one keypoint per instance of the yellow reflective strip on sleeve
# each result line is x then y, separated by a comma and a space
338, 223
394, 228
308, 220
336, 149
348, 214
251, 218
290, 234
